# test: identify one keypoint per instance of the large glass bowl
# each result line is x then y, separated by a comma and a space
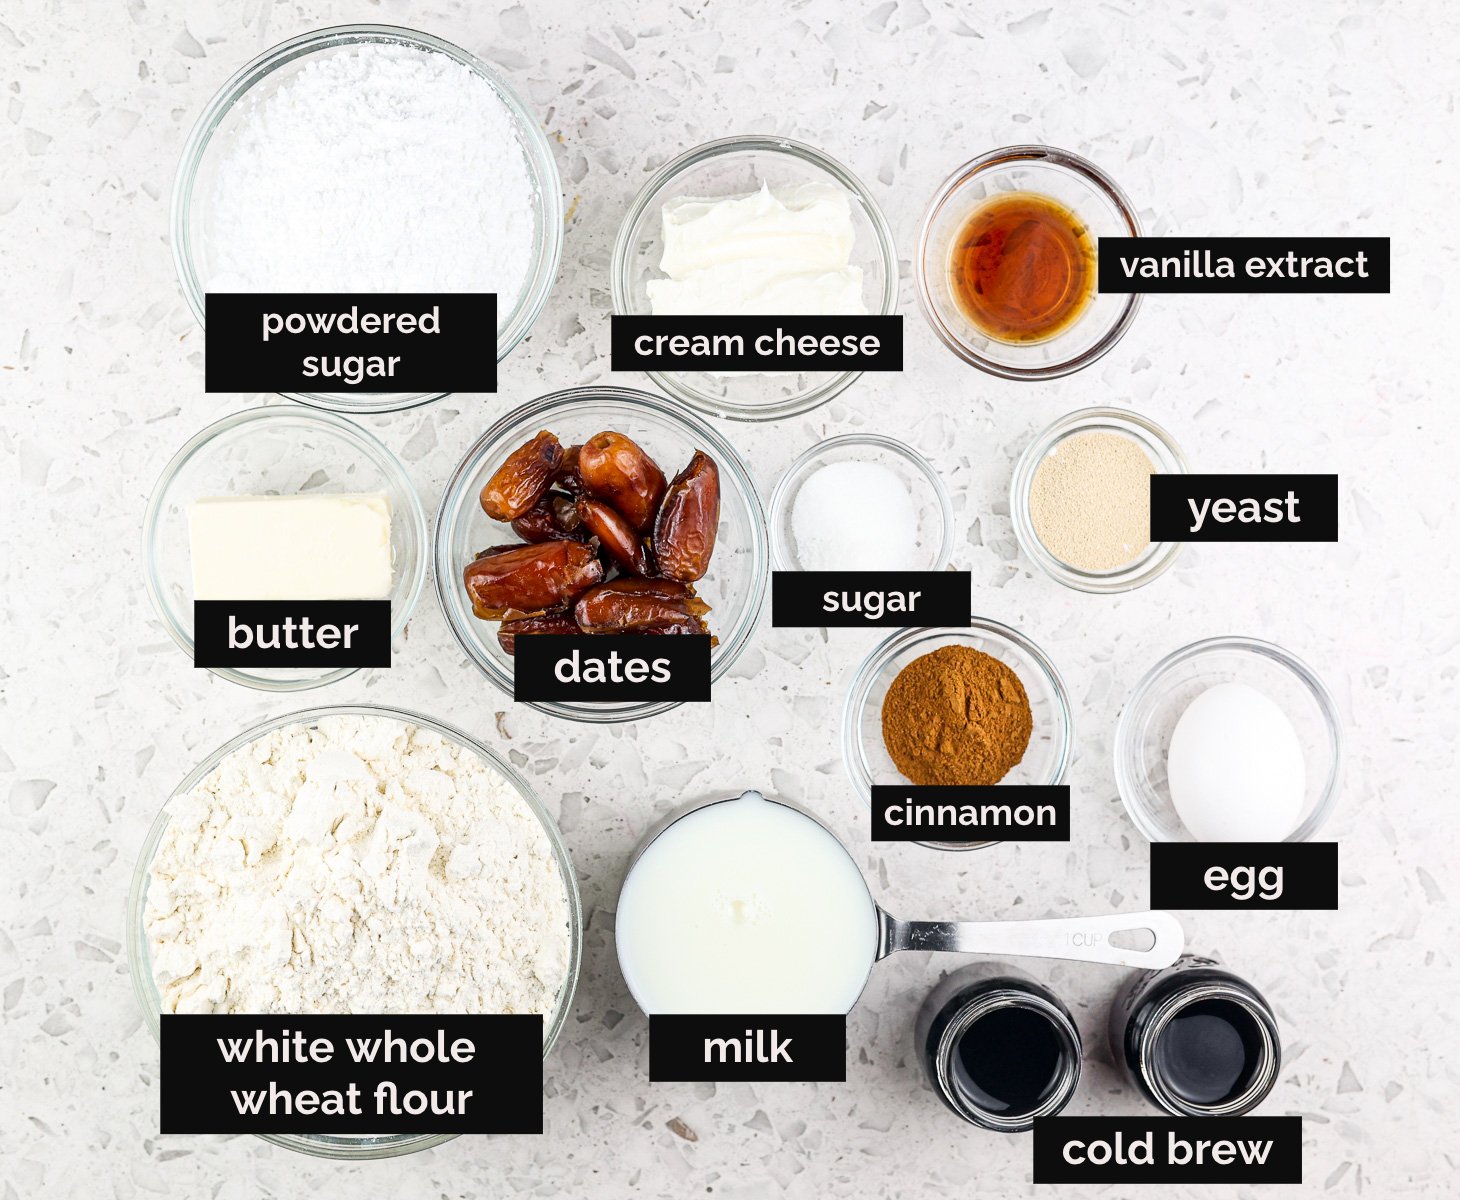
1143, 733
279, 450
736, 166
1047, 758
274, 69
140, 956
1080, 186
734, 587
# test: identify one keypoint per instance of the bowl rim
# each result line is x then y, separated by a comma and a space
536, 149
781, 495
455, 501
1053, 156
1125, 732
139, 954
371, 445
859, 690
671, 381
1171, 459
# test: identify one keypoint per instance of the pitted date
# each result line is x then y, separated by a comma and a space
689, 520
553, 518
567, 477
531, 578
520, 482
640, 606
509, 631
616, 470
538, 524
617, 536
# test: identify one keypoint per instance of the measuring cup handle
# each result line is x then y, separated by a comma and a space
1084, 939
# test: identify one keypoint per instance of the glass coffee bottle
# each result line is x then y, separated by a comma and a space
1196, 1040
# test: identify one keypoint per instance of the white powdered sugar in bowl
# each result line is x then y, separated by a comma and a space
375, 167
356, 864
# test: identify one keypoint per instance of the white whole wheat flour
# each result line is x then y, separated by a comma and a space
376, 168
363, 865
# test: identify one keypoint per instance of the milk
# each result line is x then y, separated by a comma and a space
745, 906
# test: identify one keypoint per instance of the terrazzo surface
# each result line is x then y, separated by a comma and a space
1217, 118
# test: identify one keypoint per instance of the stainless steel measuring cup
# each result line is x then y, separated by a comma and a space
1083, 939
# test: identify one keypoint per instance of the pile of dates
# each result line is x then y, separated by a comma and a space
611, 546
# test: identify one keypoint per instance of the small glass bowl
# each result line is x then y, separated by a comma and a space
1050, 746
278, 450
737, 166
274, 69
1080, 186
930, 497
734, 587
139, 953
1158, 445
1143, 733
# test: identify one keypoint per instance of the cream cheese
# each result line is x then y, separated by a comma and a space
783, 253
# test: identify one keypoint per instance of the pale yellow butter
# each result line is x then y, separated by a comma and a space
324, 547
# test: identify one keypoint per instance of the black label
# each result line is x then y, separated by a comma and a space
351, 342
612, 667
757, 343
1244, 875
1244, 264
1168, 1150
291, 633
1003, 812
351, 1074
696, 1049
1244, 508
892, 599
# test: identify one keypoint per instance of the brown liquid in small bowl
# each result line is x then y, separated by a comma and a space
1023, 267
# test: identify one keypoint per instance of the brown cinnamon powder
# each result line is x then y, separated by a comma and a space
956, 716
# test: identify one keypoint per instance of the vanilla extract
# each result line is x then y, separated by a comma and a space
1022, 269
1205, 264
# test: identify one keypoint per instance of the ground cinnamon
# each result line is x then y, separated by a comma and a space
956, 716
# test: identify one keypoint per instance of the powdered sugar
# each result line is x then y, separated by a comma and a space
375, 168
359, 865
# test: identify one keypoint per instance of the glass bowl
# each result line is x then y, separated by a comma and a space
734, 587
278, 450
1158, 445
140, 956
930, 497
273, 69
1143, 733
1050, 746
735, 166
1080, 186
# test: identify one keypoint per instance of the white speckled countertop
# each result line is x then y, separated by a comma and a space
1217, 118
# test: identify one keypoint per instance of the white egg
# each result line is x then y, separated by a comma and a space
1235, 767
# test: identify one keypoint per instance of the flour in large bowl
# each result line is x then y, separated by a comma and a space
356, 864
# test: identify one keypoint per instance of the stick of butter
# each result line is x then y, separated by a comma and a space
324, 547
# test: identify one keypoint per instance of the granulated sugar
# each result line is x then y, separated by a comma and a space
855, 516
375, 168
1091, 501
359, 865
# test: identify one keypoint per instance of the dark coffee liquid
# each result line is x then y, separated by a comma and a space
1209, 1053
1008, 1061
